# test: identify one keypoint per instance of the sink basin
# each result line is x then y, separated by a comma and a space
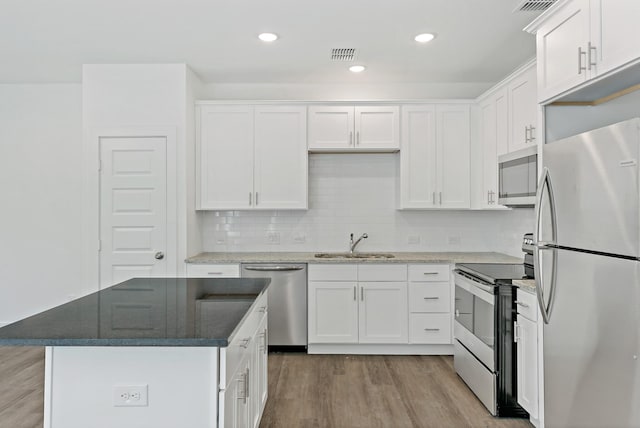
354, 256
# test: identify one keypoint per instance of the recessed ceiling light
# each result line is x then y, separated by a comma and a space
424, 38
357, 68
268, 37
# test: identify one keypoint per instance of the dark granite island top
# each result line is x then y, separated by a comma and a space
145, 312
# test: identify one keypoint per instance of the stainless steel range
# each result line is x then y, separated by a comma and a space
485, 355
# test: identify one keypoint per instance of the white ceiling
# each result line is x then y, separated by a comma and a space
477, 40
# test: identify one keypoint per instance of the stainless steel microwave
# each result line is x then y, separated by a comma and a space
518, 178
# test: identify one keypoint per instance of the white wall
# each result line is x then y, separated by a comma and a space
356, 193
338, 91
40, 186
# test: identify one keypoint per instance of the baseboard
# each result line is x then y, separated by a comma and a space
369, 349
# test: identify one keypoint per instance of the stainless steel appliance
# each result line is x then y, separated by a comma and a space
517, 178
287, 315
484, 350
587, 260
527, 248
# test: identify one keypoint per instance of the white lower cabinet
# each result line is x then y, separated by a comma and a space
375, 304
527, 353
213, 270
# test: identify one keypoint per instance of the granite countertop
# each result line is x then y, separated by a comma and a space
401, 257
528, 285
145, 312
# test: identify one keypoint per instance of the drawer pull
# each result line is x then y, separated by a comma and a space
519, 303
430, 273
431, 329
263, 309
431, 298
245, 342
214, 273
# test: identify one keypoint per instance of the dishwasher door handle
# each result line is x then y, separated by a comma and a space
273, 268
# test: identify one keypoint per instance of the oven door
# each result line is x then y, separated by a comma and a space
474, 325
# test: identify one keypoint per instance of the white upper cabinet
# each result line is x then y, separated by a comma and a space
280, 157
434, 160
252, 157
225, 144
523, 115
489, 152
349, 128
579, 40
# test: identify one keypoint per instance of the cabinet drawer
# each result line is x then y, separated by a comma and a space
429, 273
430, 328
429, 297
527, 305
213, 271
382, 272
329, 272
241, 341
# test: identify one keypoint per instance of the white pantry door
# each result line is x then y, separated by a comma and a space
133, 208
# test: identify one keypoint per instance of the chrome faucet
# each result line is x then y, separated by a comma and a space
354, 244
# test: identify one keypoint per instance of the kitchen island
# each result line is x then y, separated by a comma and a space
154, 352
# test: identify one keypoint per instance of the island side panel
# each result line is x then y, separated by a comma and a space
182, 386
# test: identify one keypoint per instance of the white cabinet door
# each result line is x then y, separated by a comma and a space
561, 45
452, 153
383, 312
418, 157
377, 127
333, 312
262, 366
502, 125
614, 28
226, 157
527, 350
234, 402
522, 110
280, 157
258, 373
331, 127
488, 147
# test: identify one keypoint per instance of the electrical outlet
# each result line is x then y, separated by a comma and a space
273, 238
131, 396
413, 240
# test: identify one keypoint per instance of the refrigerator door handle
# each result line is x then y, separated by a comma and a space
545, 308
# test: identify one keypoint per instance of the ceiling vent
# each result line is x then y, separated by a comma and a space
533, 5
343, 54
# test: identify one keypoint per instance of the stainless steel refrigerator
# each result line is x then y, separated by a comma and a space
587, 259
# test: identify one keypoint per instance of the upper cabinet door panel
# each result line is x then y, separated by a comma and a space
418, 157
377, 127
226, 157
331, 127
488, 139
281, 157
614, 27
452, 148
522, 111
562, 44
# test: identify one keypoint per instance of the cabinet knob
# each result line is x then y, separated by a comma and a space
159, 255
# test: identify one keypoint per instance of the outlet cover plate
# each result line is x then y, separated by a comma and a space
131, 395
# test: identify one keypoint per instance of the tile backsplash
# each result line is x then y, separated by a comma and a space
357, 193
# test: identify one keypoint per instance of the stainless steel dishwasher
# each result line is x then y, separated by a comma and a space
287, 302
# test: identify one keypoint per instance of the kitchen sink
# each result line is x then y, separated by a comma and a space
354, 256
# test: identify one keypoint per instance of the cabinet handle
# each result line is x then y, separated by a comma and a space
591, 62
214, 273
532, 136
354, 293
351, 138
244, 379
362, 294
249, 198
429, 273
256, 198
431, 298
488, 197
358, 138
519, 303
440, 198
581, 68
516, 332
245, 343
263, 309
431, 329
265, 340
246, 385
526, 135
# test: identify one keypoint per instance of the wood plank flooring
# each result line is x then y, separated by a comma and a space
305, 391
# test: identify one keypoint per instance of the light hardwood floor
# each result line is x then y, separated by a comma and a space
305, 391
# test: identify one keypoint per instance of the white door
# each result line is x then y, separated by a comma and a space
377, 127
452, 150
333, 312
561, 45
331, 127
133, 208
418, 157
522, 110
281, 162
527, 356
226, 157
614, 35
383, 312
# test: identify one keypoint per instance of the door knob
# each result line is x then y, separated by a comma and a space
159, 255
